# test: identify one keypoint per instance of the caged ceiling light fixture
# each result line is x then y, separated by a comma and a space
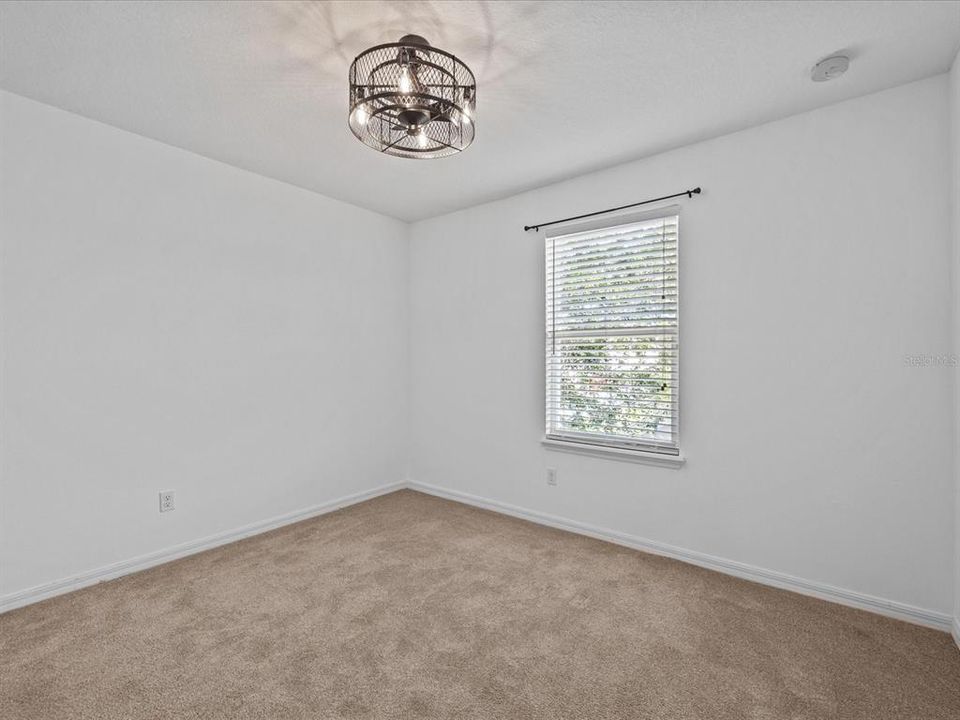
412, 100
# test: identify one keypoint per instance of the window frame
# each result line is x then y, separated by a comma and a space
614, 447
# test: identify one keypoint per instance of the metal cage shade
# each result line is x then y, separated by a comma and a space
411, 100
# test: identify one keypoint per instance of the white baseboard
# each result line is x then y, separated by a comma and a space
889, 608
125, 567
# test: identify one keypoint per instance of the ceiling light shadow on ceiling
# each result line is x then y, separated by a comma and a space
321, 39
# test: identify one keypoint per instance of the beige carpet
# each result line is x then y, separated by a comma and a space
408, 606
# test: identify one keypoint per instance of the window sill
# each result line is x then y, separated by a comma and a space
612, 453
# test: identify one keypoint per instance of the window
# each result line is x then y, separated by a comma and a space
613, 336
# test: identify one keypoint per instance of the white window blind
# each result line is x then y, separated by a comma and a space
613, 336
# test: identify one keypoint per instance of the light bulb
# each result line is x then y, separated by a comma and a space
361, 116
422, 138
406, 83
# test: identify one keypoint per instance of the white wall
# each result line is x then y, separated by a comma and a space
813, 263
955, 127
170, 322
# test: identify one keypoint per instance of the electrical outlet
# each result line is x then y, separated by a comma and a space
166, 501
552, 477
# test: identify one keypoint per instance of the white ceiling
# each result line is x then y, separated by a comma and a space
563, 87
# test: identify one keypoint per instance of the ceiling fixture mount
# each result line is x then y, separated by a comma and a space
412, 100
830, 68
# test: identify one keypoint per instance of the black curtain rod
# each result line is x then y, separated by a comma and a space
688, 193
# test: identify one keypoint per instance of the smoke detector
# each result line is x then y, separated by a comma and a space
830, 68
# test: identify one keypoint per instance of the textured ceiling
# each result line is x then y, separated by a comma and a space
564, 87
